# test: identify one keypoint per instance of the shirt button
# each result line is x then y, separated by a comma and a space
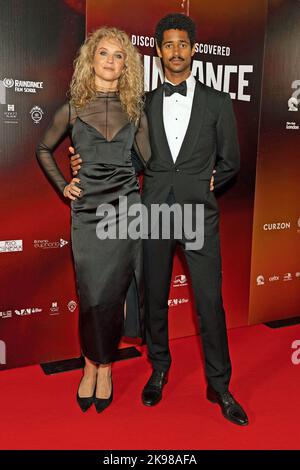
176, 137
177, 169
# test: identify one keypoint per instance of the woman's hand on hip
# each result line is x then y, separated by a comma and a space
71, 190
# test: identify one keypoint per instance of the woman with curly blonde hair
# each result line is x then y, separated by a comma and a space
105, 119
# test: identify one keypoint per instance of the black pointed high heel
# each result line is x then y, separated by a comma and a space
86, 402
102, 403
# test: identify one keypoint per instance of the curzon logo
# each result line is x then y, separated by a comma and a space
277, 226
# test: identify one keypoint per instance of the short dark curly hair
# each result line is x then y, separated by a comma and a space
175, 21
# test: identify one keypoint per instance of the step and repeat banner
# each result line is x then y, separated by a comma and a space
275, 271
38, 300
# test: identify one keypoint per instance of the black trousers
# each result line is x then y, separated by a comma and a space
205, 271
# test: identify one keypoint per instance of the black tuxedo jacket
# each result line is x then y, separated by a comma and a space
210, 143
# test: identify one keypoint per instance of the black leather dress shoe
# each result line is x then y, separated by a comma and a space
152, 393
231, 409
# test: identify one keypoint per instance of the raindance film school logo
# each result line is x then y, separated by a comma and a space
8, 246
23, 86
46, 244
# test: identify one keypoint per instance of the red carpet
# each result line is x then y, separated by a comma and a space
40, 412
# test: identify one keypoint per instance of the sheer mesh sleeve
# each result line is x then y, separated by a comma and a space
44, 152
141, 145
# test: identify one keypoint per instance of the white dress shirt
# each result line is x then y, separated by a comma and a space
176, 115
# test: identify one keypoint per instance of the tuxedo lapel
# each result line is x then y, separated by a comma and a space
155, 112
195, 122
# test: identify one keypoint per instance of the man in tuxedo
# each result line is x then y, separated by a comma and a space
193, 139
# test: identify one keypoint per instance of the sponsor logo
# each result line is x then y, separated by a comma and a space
46, 244
7, 246
27, 311
36, 114
54, 308
176, 302
180, 281
274, 278
23, 86
277, 226
6, 314
260, 280
291, 125
8, 82
10, 114
72, 305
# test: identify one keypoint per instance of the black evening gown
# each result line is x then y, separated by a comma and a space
107, 269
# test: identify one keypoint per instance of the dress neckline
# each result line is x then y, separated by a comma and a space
105, 94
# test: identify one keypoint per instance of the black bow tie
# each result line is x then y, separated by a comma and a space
170, 89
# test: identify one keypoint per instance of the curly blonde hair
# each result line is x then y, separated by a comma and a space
130, 85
